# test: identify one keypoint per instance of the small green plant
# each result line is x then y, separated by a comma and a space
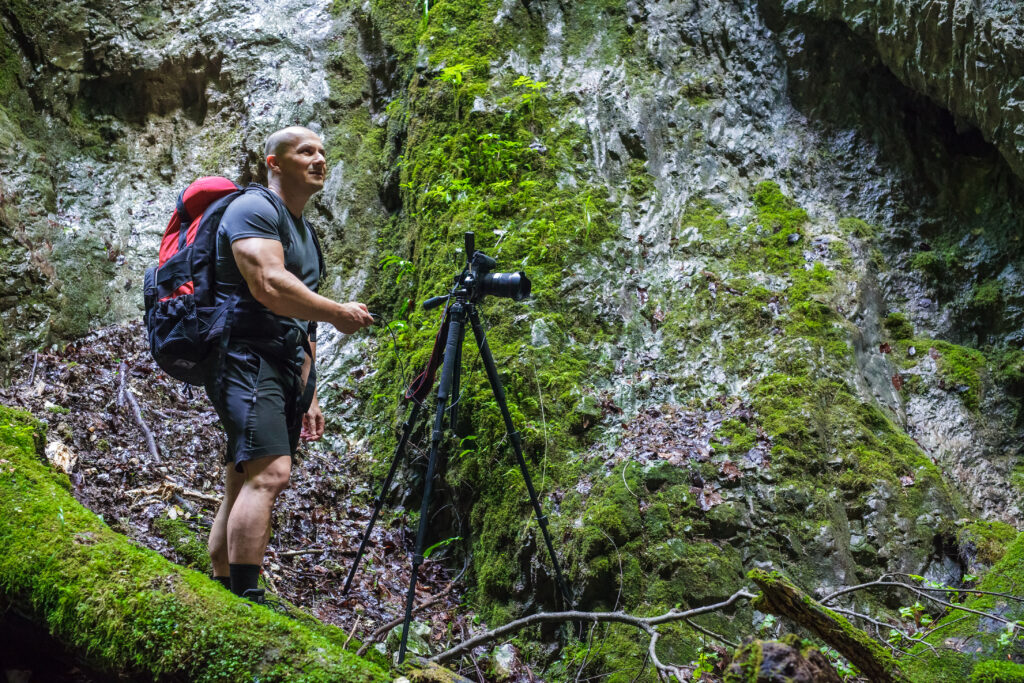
917, 613
455, 75
533, 91
402, 266
845, 670
440, 544
706, 663
767, 624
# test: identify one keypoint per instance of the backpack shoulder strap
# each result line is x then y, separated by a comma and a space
282, 212
319, 252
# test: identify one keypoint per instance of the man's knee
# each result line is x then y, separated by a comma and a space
269, 475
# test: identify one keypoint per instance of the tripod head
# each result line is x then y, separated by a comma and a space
477, 281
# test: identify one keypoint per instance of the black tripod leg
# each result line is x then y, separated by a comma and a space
517, 446
448, 369
378, 502
453, 413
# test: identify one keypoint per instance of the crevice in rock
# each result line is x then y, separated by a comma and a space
177, 83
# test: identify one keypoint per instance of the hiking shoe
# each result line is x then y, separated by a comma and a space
260, 596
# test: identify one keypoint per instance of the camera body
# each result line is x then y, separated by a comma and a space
480, 281
477, 281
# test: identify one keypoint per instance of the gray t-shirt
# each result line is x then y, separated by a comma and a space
255, 215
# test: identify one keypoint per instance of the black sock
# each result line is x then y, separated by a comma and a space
224, 581
243, 577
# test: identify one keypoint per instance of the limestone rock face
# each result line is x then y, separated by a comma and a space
966, 56
108, 110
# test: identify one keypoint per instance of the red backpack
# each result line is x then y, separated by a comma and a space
182, 319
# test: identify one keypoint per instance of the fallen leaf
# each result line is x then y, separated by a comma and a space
730, 470
885, 348
897, 382
708, 498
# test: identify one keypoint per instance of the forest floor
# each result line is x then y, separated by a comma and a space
93, 434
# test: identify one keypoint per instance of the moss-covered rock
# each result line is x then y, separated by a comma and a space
126, 610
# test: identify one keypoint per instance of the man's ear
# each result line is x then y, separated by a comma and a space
272, 163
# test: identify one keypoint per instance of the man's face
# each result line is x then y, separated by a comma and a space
303, 164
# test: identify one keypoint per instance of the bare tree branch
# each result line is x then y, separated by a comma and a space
881, 581
646, 624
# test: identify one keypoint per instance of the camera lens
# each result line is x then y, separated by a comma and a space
515, 286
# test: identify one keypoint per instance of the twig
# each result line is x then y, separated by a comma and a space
32, 375
626, 467
665, 671
191, 493
711, 634
125, 394
881, 624
544, 423
590, 646
619, 556
297, 553
644, 623
350, 634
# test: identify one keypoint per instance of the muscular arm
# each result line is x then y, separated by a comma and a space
261, 263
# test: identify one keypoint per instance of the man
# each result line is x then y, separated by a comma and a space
264, 387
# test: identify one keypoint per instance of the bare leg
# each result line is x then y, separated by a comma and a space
248, 524
218, 545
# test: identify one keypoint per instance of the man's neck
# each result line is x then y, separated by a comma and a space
296, 202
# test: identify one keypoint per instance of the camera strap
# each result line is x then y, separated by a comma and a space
421, 385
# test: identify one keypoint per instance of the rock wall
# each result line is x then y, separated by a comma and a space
963, 55
108, 113
777, 315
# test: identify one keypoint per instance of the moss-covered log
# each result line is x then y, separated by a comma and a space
128, 611
780, 597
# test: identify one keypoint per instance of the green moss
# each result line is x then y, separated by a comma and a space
986, 298
858, 228
898, 327
997, 672
960, 370
748, 660
985, 640
989, 539
1010, 368
127, 611
185, 542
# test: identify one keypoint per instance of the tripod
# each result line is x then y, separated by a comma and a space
471, 285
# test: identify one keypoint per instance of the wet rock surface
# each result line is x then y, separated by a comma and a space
965, 56
865, 121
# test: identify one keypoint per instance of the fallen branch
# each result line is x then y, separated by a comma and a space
124, 394
646, 624
884, 582
780, 597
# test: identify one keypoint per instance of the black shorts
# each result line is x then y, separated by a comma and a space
259, 403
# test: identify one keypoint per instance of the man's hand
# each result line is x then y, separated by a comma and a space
352, 317
312, 422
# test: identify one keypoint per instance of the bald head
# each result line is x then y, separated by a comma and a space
285, 138
296, 165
